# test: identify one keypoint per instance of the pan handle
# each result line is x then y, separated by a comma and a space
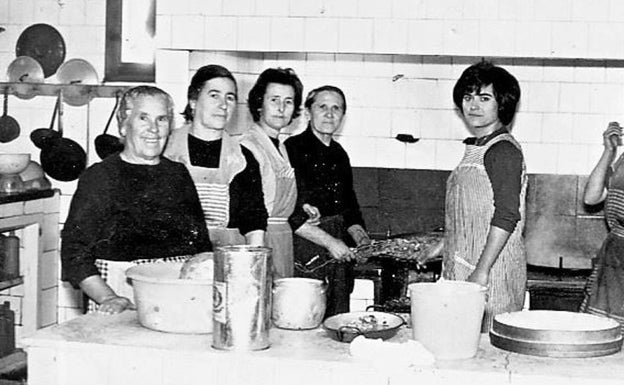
60, 112
110, 118
347, 329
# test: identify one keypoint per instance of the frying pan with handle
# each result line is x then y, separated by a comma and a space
9, 128
106, 144
42, 137
63, 159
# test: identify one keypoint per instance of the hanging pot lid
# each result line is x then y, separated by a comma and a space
77, 72
43, 43
25, 69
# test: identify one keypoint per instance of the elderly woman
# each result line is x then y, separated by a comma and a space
485, 193
274, 102
227, 175
133, 207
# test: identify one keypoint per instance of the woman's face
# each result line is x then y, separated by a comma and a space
278, 106
480, 110
145, 130
215, 104
326, 112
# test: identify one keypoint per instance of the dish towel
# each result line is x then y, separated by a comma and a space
391, 356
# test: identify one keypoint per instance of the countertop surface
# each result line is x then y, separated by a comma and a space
315, 346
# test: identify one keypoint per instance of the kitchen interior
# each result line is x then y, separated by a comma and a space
397, 63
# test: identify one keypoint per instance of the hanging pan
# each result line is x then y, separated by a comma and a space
106, 144
77, 72
9, 128
42, 137
62, 159
43, 43
24, 69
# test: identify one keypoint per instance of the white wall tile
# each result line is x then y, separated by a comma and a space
433, 30
554, 72
421, 155
69, 297
221, 32
591, 73
557, 128
607, 98
254, 34
461, 37
540, 96
183, 26
350, 65
49, 12
287, 33
602, 37
373, 9
308, 8
448, 154
4, 11
449, 9
321, 35
21, 12
436, 124
497, 38
540, 158
239, 7
390, 36
355, 35
172, 66
340, 8
588, 128
319, 64
405, 121
177, 7
486, 10
272, 8
554, 10
408, 9
390, 153
590, 10
569, 39
533, 39
517, 9
575, 97
437, 68
527, 127
361, 151
572, 159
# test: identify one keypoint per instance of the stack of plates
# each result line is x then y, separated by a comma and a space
551, 333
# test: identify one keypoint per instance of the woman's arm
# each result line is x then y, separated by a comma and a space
99, 291
496, 240
336, 247
595, 189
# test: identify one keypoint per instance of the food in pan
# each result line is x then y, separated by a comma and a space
398, 248
368, 323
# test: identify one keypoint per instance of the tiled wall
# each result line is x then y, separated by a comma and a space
397, 62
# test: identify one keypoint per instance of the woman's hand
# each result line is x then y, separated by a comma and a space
612, 136
114, 304
359, 235
313, 213
339, 250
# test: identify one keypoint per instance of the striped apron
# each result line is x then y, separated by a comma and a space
469, 210
604, 292
280, 195
212, 184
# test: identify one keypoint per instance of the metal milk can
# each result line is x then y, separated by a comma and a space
241, 298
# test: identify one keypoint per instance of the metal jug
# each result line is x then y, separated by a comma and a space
241, 298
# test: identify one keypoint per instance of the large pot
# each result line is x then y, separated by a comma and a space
167, 303
298, 303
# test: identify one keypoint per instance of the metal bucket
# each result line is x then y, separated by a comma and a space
241, 298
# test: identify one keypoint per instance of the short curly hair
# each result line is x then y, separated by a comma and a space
285, 76
198, 81
505, 86
127, 101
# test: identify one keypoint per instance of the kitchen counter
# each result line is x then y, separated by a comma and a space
96, 349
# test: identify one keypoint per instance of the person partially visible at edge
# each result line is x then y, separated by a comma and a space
133, 207
325, 180
485, 193
274, 101
604, 292
226, 174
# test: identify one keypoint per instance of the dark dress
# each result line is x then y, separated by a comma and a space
325, 180
125, 212
604, 293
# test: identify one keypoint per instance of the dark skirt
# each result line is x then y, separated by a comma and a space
314, 261
604, 292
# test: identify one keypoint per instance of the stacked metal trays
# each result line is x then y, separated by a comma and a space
549, 333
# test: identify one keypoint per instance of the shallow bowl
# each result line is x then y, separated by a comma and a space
13, 163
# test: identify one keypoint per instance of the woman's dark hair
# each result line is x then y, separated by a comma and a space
285, 76
505, 86
312, 96
198, 81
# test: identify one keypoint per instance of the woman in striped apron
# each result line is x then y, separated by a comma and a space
274, 101
133, 207
605, 288
485, 205
226, 175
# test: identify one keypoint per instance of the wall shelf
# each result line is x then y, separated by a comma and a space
30, 90
7, 281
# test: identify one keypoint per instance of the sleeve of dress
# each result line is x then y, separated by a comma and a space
196, 213
298, 217
247, 185
88, 209
503, 164
352, 213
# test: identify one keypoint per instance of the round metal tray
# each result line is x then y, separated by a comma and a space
551, 333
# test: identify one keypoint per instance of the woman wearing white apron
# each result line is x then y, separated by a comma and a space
226, 175
274, 101
485, 194
133, 207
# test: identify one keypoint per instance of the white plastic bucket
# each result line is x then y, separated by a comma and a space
446, 317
